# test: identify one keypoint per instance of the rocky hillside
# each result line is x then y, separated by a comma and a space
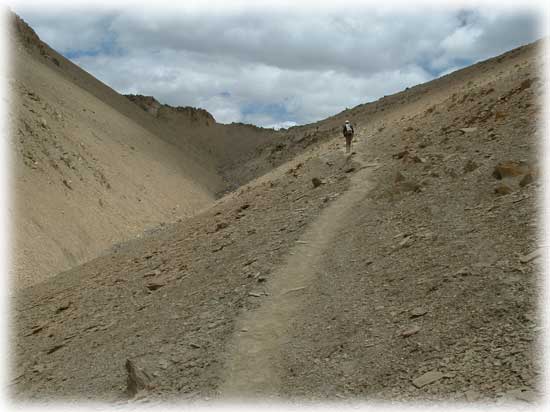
407, 271
112, 164
420, 97
196, 116
91, 169
229, 145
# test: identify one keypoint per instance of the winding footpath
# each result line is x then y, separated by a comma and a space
252, 368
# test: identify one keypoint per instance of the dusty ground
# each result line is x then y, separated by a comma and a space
406, 274
169, 300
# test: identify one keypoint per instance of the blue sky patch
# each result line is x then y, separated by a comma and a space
108, 46
277, 111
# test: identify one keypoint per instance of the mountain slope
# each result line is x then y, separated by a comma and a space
228, 144
91, 169
421, 282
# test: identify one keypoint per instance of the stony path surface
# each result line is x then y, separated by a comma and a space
253, 362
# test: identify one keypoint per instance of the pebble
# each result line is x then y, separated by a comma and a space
417, 312
409, 332
406, 242
154, 285
316, 182
163, 364
462, 272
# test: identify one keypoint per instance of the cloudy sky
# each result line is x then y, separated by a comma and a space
274, 64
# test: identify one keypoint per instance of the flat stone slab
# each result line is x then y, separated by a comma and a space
427, 378
417, 312
411, 331
531, 256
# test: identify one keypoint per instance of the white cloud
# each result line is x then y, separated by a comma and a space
486, 34
303, 95
284, 65
281, 125
70, 29
460, 42
222, 108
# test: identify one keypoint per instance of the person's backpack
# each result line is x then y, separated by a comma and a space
348, 129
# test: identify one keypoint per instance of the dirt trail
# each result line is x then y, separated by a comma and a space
252, 367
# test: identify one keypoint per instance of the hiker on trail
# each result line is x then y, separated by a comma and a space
348, 131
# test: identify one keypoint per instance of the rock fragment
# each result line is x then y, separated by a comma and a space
406, 242
220, 226
503, 190
417, 312
155, 272
472, 396
411, 331
36, 329
470, 166
154, 285
63, 307
462, 272
509, 168
525, 395
500, 115
55, 348
250, 261
137, 379
316, 182
427, 378
67, 184
527, 179
531, 256
399, 177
